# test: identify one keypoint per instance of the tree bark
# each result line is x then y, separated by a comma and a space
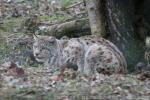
96, 16
120, 17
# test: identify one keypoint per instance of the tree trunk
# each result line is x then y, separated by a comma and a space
120, 18
96, 16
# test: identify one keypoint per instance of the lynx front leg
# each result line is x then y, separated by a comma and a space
74, 54
94, 58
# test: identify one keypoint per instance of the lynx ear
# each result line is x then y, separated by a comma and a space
64, 38
35, 36
52, 39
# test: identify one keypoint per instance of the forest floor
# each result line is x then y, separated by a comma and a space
36, 82
31, 81
41, 84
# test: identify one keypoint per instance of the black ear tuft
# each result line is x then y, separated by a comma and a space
35, 36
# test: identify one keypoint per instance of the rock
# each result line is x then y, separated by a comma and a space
140, 66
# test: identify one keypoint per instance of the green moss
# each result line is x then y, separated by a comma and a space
3, 46
10, 24
66, 3
52, 18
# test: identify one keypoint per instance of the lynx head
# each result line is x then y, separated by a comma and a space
44, 47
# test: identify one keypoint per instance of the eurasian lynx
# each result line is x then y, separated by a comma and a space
88, 53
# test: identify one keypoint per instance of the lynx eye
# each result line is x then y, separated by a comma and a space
35, 46
51, 42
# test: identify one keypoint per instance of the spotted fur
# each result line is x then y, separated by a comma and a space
88, 52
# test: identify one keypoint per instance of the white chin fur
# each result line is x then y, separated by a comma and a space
40, 60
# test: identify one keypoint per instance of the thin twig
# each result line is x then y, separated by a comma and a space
76, 4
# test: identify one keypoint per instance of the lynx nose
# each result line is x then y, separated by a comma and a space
36, 54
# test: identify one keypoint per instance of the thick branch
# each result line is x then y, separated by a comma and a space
76, 4
70, 28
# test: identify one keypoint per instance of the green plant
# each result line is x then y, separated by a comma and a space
65, 3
